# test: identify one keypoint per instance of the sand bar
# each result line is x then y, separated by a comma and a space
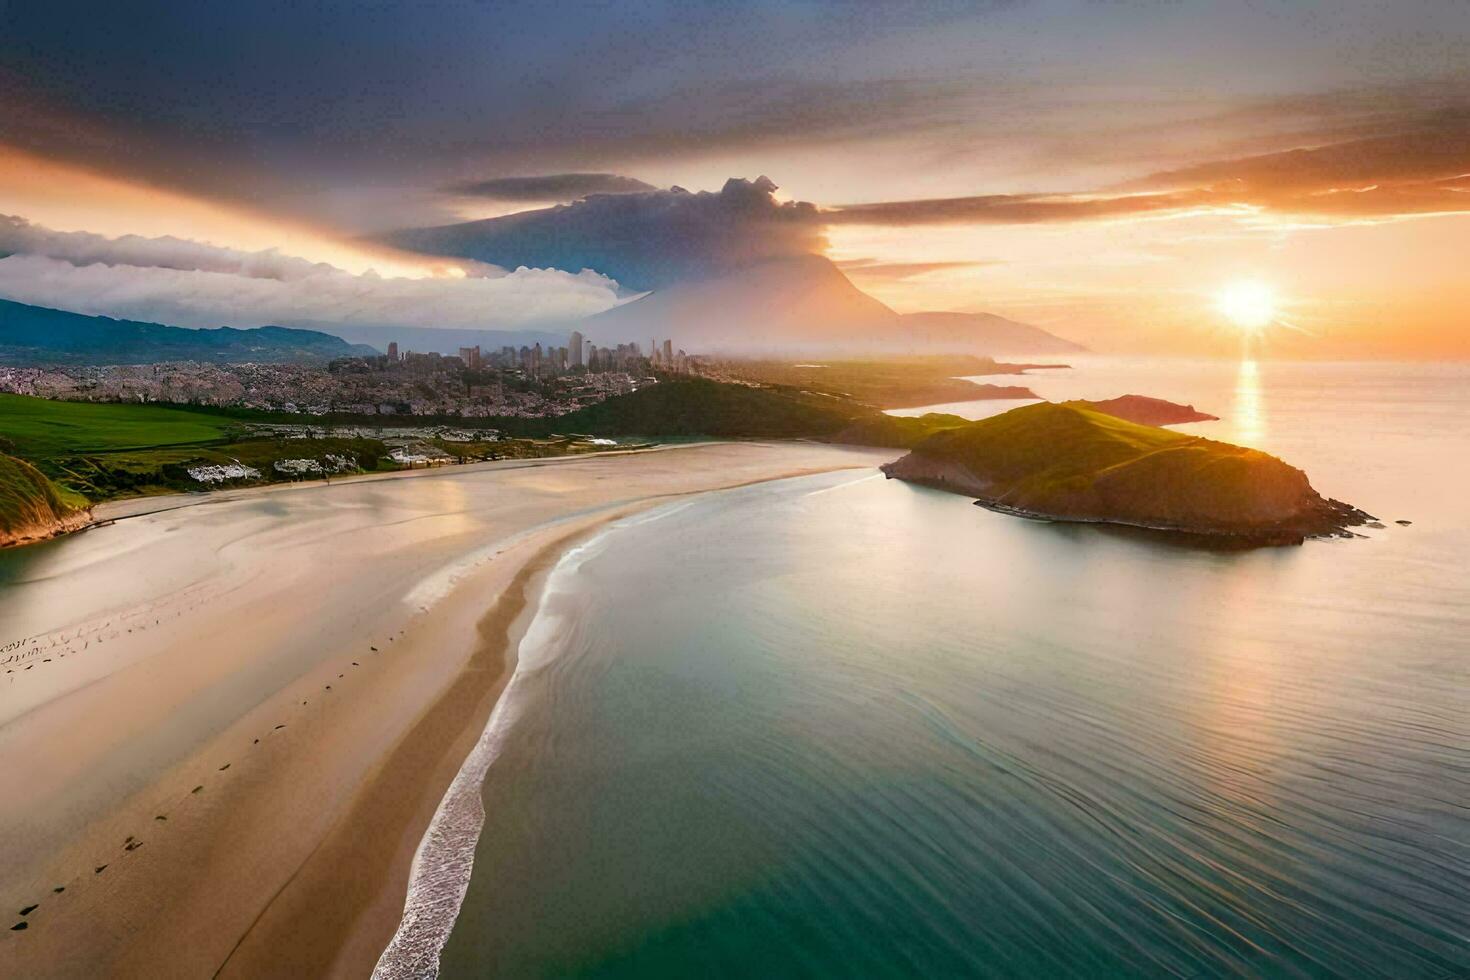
224, 727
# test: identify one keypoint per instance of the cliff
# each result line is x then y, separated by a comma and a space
32, 508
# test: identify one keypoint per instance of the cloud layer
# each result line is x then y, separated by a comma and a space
191, 284
1421, 171
643, 240
551, 187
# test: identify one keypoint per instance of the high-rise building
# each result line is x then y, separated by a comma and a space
392, 352
574, 348
471, 357
668, 354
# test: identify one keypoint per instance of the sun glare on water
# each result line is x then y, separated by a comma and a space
1248, 304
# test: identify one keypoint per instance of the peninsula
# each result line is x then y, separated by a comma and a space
1070, 462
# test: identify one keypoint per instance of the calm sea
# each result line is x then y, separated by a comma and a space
846, 726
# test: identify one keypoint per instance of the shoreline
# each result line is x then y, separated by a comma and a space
351, 928
352, 931
105, 512
297, 860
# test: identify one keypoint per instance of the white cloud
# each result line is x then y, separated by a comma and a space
193, 284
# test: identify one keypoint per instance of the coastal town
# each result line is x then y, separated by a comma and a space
525, 382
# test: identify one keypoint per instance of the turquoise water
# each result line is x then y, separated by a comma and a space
846, 726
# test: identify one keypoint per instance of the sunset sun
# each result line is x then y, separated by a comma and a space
1249, 304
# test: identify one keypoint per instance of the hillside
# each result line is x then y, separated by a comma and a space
32, 507
700, 407
896, 431
36, 335
1068, 462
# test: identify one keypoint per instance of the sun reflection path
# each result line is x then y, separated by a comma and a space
1249, 414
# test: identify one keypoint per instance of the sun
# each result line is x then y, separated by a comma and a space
1249, 304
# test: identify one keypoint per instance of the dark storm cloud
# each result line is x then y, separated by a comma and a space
273, 101
550, 187
340, 109
642, 240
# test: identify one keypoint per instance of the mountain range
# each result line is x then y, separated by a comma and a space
36, 335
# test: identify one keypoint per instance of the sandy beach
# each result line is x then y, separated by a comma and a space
226, 721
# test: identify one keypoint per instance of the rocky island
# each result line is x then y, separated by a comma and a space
1070, 462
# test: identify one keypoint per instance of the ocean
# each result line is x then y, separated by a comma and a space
841, 725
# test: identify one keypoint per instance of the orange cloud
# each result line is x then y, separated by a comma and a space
67, 197
1421, 172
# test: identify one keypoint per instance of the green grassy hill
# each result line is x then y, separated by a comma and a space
30, 504
1071, 462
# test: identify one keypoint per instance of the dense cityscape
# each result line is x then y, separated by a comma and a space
527, 381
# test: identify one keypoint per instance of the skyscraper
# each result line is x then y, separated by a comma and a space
668, 354
574, 348
393, 352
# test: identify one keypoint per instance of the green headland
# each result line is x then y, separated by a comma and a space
1070, 462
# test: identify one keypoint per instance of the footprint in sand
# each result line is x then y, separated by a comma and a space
20, 926
30, 908
197, 789
224, 767
134, 846
99, 869
160, 817
59, 889
278, 728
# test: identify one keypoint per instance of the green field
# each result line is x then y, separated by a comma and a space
99, 452
38, 429
91, 452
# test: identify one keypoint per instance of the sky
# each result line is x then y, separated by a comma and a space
1103, 169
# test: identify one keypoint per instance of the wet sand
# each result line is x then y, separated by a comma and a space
232, 722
